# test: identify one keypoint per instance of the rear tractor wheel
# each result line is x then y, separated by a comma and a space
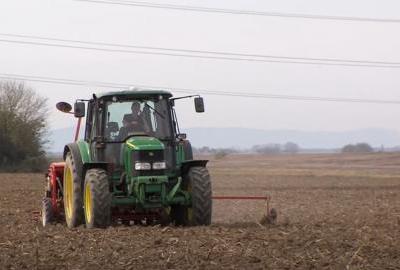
198, 183
97, 199
73, 192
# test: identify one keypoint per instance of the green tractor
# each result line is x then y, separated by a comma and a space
133, 166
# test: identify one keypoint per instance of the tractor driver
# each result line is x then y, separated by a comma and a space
135, 122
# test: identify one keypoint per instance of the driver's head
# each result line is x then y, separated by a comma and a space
135, 107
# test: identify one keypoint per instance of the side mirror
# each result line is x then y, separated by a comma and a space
199, 104
79, 109
64, 107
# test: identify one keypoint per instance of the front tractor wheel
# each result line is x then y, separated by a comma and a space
72, 192
198, 183
97, 199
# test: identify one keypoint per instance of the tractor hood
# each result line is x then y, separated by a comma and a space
144, 143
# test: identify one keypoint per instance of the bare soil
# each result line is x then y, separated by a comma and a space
335, 212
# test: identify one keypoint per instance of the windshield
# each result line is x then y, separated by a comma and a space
137, 117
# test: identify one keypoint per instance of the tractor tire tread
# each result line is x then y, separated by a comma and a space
201, 195
47, 212
77, 215
101, 196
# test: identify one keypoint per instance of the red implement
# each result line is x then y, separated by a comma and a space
55, 176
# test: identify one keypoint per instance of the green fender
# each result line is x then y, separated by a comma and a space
80, 150
84, 150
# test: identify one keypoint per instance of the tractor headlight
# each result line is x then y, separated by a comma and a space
142, 166
159, 165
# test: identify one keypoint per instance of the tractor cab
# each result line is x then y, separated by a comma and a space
135, 159
142, 124
122, 122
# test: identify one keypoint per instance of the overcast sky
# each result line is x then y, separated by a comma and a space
219, 32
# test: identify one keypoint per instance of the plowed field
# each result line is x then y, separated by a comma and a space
335, 212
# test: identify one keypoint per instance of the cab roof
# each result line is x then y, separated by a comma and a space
135, 93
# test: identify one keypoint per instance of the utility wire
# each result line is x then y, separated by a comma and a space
218, 53
241, 12
64, 81
192, 55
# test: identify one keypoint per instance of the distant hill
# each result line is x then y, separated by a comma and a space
246, 138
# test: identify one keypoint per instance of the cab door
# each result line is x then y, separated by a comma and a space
94, 132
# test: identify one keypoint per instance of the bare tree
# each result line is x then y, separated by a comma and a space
23, 124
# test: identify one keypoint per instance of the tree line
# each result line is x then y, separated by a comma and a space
275, 148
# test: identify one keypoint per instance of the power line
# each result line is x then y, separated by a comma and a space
194, 56
64, 81
240, 12
230, 54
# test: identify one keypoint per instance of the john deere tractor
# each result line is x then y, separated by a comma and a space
133, 165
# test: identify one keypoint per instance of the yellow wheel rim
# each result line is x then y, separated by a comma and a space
68, 192
88, 204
